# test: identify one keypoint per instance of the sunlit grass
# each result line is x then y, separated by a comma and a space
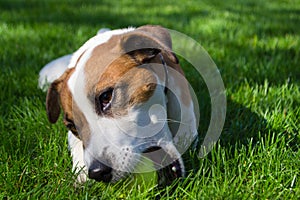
256, 46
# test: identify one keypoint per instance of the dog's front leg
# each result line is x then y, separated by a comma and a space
76, 148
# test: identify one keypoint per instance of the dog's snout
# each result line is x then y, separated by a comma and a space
100, 172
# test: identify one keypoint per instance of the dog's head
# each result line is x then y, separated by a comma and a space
116, 99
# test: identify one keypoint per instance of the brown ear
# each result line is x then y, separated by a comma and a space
53, 96
146, 42
52, 102
159, 33
162, 35
140, 46
144, 55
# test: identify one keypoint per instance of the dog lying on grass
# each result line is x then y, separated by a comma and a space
124, 97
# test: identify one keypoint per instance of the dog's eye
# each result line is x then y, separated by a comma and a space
105, 100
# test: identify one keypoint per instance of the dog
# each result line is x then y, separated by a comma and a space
124, 96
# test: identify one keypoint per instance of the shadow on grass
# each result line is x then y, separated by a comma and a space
242, 128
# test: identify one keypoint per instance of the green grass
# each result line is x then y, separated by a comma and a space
256, 45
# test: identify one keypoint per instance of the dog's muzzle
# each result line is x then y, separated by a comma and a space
100, 172
168, 169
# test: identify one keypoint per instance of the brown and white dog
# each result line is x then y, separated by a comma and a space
123, 96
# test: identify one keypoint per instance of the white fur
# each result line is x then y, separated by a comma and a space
75, 146
53, 71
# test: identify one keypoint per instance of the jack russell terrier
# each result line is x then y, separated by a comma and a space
124, 97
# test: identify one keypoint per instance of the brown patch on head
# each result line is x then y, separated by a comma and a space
102, 56
116, 63
133, 88
113, 73
142, 45
132, 83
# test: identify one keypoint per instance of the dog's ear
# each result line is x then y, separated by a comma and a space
159, 33
144, 55
53, 96
162, 35
146, 42
140, 46
52, 101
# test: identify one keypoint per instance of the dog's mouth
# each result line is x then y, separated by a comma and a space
168, 168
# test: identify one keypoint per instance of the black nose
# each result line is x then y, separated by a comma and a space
100, 172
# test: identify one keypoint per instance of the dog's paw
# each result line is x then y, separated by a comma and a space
80, 180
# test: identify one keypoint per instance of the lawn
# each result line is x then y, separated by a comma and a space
256, 46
